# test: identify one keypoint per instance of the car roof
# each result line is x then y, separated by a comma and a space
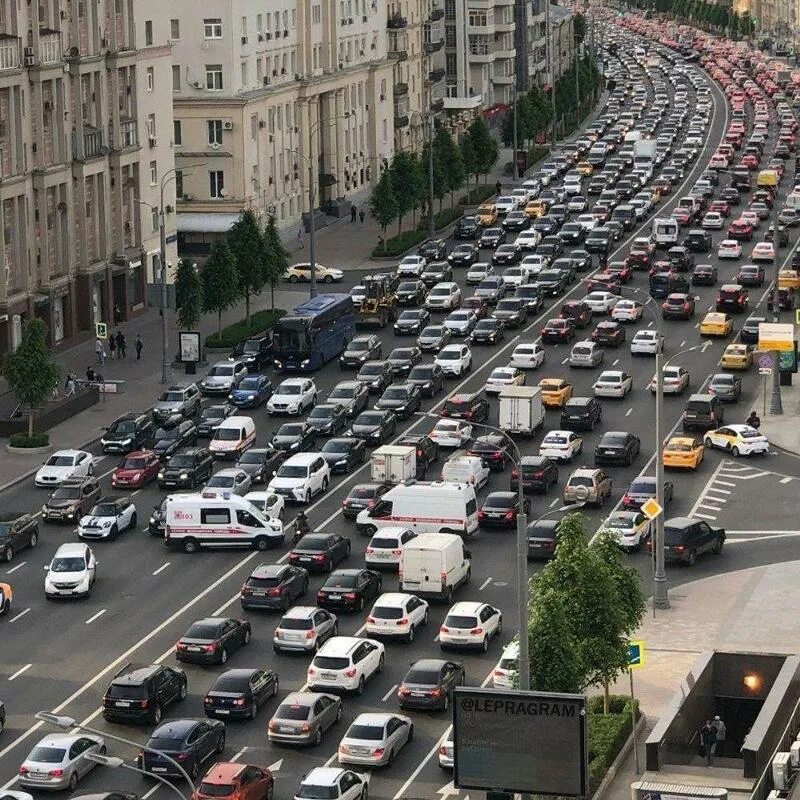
323, 776
71, 549
301, 459
397, 599
268, 570
301, 612
223, 772
341, 644
174, 728
466, 607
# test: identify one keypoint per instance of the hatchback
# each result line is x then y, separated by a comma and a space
273, 586
190, 742
470, 624
233, 781
537, 473
304, 629
238, 693
397, 614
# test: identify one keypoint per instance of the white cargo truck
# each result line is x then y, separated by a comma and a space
521, 409
393, 464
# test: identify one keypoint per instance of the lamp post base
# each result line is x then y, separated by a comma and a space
660, 592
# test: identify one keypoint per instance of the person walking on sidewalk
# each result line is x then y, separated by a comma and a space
300, 238
722, 733
708, 741
361, 216
112, 346
121, 344
498, 188
100, 352
69, 386
139, 344
353, 214
91, 375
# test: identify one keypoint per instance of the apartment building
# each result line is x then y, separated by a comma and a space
270, 99
84, 118
563, 41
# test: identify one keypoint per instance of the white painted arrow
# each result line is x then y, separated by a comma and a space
276, 766
447, 790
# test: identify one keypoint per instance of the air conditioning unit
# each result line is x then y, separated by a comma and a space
269, 180
47, 105
214, 145
285, 34
188, 197
794, 754
104, 43
227, 125
30, 61
260, 37
153, 141
128, 226
274, 73
364, 18
383, 97
196, 84
781, 771
350, 20
283, 70
271, 138
168, 209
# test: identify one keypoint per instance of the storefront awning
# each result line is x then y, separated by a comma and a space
205, 223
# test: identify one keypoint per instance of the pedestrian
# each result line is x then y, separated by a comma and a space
139, 344
722, 732
708, 741
498, 187
754, 421
100, 352
361, 216
112, 346
353, 214
121, 344
90, 375
69, 388
300, 237
117, 314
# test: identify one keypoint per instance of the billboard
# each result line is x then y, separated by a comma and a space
518, 741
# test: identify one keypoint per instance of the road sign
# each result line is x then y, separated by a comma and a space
101, 330
651, 509
775, 336
635, 655
765, 370
765, 361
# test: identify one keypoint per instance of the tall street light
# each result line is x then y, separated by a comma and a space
775, 403
118, 763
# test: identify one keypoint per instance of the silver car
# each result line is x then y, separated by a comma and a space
223, 377
303, 717
304, 628
233, 480
586, 354
433, 338
59, 761
374, 739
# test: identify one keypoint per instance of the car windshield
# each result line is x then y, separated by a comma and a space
221, 371
405, 286
291, 471
432, 331
221, 482
748, 433
343, 393
62, 493
358, 345
69, 564
250, 383
104, 510
252, 457
127, 426
172, 397
59, 461
371, 369
213, 412
369, 418
499, 502
230, 683
216, 789
681, 447
180, 461
289, 389
401, 354
290, 429
440, 291
291, 624
336, 447
134, 463
395, 393
341, 582
201, 630
311, 542
310, 791
361, 493
292, 711
460, 316
620, 521
47, 755
166, 434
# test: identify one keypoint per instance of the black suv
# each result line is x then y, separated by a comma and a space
255, 352
129, 432
537, 473
71, 500
427, 451
17, 531
493, 449
466, 228
142, 693
617, 447
186, 469
433, 249
473, 407
703, 412
698, 241
686, 538
581, 413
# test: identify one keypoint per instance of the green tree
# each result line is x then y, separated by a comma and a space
439, 173
220, 282
468, 156
449, 153
579, 27
29, 370
405, 182
247, 247
276, 257
383, 202
188, 294
485, 146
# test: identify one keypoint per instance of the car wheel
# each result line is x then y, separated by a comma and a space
308, 496
446, 702
324, 484
293, 279
410, 637
317, 741
707, 442
34, 540
195, 771
8, 553
73, 781
360, 687
114, 532
184, 690
157, 714
691, 558
247, 636
381, 662
717, 549
270, 791
735, 452
485, 644
364, 792
223, 656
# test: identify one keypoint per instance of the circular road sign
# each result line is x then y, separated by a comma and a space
765, 361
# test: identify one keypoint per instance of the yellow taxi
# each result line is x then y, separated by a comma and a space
555, 392
715, 323
655, 196
302, 272
6, 596
737, 356
585, 168
537, 208
788, 279
683, 452
486, 214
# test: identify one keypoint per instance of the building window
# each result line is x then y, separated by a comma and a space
451, 64
153, 173
151, 126
150, 79
216, 184
244, 26
450, 35
259, 22
148, 32
154, 218
176, 78
178, 183
245, 75
316, 14
215, 131
177, 133
175, 29
450, 9
385, 131
253, 126
214, 76
212, 28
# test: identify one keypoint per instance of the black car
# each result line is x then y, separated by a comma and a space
686, 538
582, 260
328, 419
190, 742
131, 431
403, 399
255, 352
260, 462
349, 589
581, 413
427, 451
531, 295
472, 406
361, 496
546, 225
731, 195
18, 531
294, 437
749, 331
410, 293
511, 311
466, 228
491, 238
464, 255
429, 684
141, 694
543, 538
186, 469
537, 473
572, 233
608, 334
436, 272
344, 454
403, 359
704, 275
212, 640
374, 427
238, 693
495, 450
375, 375
411, 321
359, 350
353, 395
488, 331
698, 241
617, 447
68, 503
433, 249
516, 221
273, 586
174, 433
551, 282
500, 509
597, 242
320, 552
211, 417
158, 519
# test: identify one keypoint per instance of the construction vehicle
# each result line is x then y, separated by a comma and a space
379, 306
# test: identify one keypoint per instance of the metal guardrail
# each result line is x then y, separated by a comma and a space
763, 785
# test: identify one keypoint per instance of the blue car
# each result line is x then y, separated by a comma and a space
251, 392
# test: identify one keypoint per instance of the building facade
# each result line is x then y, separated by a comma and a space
563, 41
84, 147
268, 103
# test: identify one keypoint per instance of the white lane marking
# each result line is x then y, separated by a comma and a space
19, 672
389, 694
436, 638
18, 616
565, 361
715, 488
485, 584
150, 792
762, 533
239, 754
709, 507
554, 503
704, 516
615, 363
682, 344
19, 566
95, 616
650, 324
629, 412
786, 480
697, 325
724, 483
161, 568
706, 345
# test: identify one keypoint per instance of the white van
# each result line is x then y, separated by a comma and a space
233, 436
666, 232
211, 519
793, 200
435, 564
460, 468
425, 508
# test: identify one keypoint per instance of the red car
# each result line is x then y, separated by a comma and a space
477, 305
721, 207
621, 269
660, 266
602, 213
558, 330
749, 161
135, 470
604, 282
682, 215
741, 230
228, 780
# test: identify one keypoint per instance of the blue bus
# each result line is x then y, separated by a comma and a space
314, 333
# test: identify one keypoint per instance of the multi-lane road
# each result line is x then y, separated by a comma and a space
60, 656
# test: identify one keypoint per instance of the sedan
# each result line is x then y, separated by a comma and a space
353, 395
344, 455
494, 450
561, 445
491, 289
59, 761
729, 248
464, 255
608, 334
361, 496
500, 510
190, 742
294, 437
374, 427
433, 338
477, 272
612, 383
411, 321
627, 311
260, 462
64, 464
327, 419
737, 356
511, 311
676, 380
429, 684
502, 377
375, 739
716, 324
451, 433
558, 330
629, 528
402, 359
506, 254
726, 386
320, 552
488, 331
349, 589
644, 488
338, 784
251, 392
303, 718
136, 470
212, 640
238, 693
402, 399
617, 447
601, 302
273, 586
428, 377
738, 440
302, 272
763, 251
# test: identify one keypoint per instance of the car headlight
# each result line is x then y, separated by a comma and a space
184, 476
107, 523
278, 364
348, 432
230, 397
294, 445
305, 362
251, 397
129, 440
341, 463
161, 476
292, 406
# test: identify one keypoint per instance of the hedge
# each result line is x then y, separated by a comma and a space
607, 735
23, 440
477, 195
398, 245
442, 219
233, 334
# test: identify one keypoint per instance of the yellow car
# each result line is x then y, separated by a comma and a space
788, 279
716, 323
537, 208
555, 392
737, 356
683, 452
655, 196
585, 168
302, 272
487, 214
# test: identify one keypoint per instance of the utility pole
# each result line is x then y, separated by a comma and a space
551, 79
775, 403
514, 145
660, 592
431, 221
312, 257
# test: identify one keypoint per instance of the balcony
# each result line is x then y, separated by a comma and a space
398, 45
433, 47
396, 22
9, 52
463, 103
436, 14
504, 25
400, 89
50, 50
435, 75
401, 121
93, 146
481, 51
502, 80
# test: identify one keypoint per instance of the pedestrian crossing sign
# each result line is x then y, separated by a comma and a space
635, 655
101, 330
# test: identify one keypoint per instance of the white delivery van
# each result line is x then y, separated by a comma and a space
213, 519
393, 463
521, 409
435, 564
233, 436
460, 468
666, 232
425, 508
793, 200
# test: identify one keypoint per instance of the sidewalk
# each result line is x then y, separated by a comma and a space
732, 611
783, 431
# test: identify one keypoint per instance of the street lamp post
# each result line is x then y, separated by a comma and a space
431, 221
775, 403
514, 144
118, 763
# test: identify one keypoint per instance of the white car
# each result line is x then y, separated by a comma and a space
460, 323
454, 359
629, 528
504, 376
601, 302
59, 761
374, 739
444, 296
752, 218
466, 469
301, 476
588, 222
535, 263
612, 383
627, 311
477, 272
108, 518
763, 251
713, 221
647, 343
739, 440
269, 503
345, 662
527, 356
515, 276
561, 445
386, 546
293, 396
505, 673
451, 432
232, 480
528, 240
411, 266
470, 624
577, 203
397, 614
64, 464
676, 380
71, 573
446, 755
333, 783
729, 248
506, 203
523, 195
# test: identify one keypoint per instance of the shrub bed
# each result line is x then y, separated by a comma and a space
607, 734
23, 440
260, 321
477, 195
397, 245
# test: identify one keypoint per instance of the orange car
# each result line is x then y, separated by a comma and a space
683, 452
227, 780
555, 392
6, 596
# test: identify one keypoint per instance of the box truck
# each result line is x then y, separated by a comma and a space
394, 464
521, 409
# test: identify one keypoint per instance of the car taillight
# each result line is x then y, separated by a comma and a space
23, 770
180, 646
442, 751
468, 415
379, 751
56, 773
369, 550
397, 552
444, 629
309, 634
239, 701
350, 673
509, 515
350, 596
312, 671
344, 503
719, 298
370, 503
210, 648
273, 592
476, 631
319, 558
679, 548
481, 515
498, 673
246, 589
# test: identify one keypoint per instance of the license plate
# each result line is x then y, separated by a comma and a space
335, 597
355, 505
329, 676
418, 694
305, 558
122, 704
381, 555
195, 649
259, 594
222, 711
609, 452
38, 775
286, 729
170, 483
158, 769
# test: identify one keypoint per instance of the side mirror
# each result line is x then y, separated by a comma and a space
274, 473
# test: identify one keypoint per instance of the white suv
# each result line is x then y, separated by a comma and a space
71, 573
454, 359
345, 662
386, 547
333, 782
507, 667
301, 476
397, 614
411, 266
293, 396
470, 624
304, 628
444, 296
647, 343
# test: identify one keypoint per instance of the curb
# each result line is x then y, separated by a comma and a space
22, 451
610, 776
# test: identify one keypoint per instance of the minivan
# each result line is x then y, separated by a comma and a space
233, 436
703, 412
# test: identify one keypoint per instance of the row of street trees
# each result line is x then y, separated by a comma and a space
718, 17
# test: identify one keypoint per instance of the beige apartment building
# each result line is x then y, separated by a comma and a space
271, 98
85, 119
